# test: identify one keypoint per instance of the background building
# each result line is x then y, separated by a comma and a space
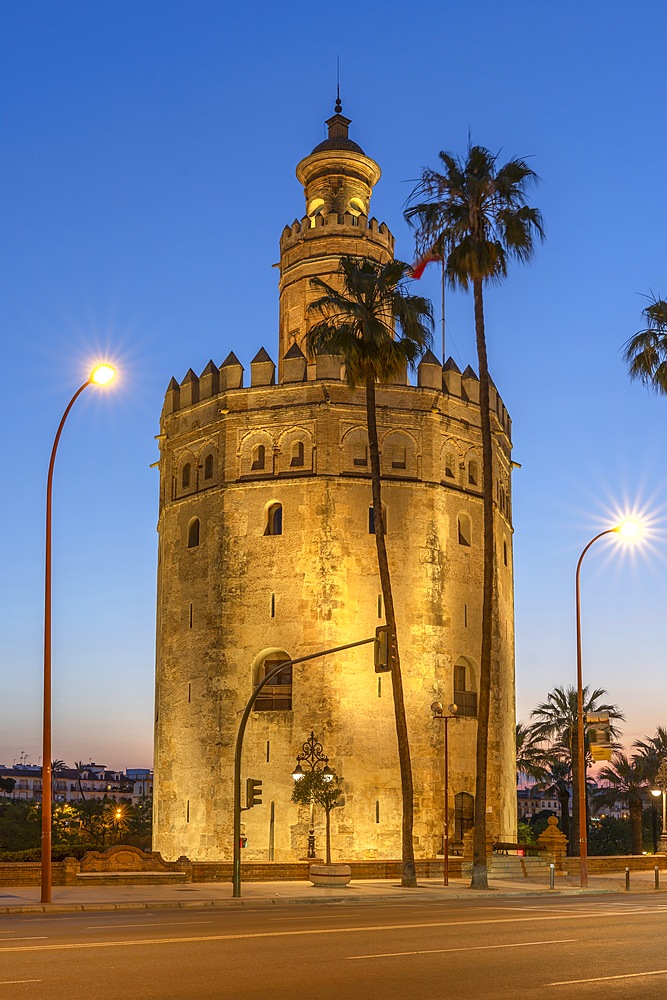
266, 553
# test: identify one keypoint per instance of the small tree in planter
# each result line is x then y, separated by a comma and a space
324, 789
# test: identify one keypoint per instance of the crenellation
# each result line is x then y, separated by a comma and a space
209, 381
189, 387
231, 373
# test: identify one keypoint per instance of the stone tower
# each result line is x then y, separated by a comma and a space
266, 553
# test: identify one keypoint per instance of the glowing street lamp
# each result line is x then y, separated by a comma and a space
628, 530
312, 755
661, 782
101, 375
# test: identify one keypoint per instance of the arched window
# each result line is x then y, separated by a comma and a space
277, 694
208, 467
464, 814
450, 465
473, 477
193, 533
465, 530
274, 520
371, 519
465, 698
298, 454
185, 475
258, 457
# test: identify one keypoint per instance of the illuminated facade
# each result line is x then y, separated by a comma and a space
266, 552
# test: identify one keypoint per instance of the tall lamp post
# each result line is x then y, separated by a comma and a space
661, 782
439, 713
101, 375
312, 756
628, 529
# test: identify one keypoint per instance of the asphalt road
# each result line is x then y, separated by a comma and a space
588, 947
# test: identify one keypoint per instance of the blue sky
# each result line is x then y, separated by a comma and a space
148, 155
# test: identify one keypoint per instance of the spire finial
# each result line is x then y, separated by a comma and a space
338, 106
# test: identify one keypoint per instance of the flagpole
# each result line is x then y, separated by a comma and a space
444, 357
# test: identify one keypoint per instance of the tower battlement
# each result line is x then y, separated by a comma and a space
448, 383
343, 224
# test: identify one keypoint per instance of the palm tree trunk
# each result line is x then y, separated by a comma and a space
479, 866
409, 877
574, 755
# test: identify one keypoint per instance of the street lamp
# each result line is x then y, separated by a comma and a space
661, 782
439, 713
311, 754
628, 530
100, 375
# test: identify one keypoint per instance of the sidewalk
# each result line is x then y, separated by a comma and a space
25, 899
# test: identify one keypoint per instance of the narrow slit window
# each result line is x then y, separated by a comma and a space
465, 532
398, 457
379, 604
187, 812
208, 467
379, 687
193, 533
258, 457
190, 615
360, 455
274, 520
377, 810
298, 454
505, 559
465, 615
268, 751
189, 693
273, 605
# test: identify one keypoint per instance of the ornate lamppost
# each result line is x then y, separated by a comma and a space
311, 754
439, 713
661, 789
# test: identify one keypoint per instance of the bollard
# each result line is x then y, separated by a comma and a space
656, 872
552, 873
627, 880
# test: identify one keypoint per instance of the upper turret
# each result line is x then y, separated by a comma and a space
338, 176
338, 180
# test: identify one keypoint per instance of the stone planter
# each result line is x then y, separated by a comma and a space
330, 875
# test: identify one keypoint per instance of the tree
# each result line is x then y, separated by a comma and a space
80, 767
475, 218
557, 722
626, 780
358, 323
556, 781
326, 790
646, 352
7, 785
56, 767
531, 756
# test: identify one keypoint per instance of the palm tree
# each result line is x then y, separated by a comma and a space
557, 782
80, 767
531, 756
626, 780
475, 217
557, 721
646, 352
56, 767
357, 322
653, 750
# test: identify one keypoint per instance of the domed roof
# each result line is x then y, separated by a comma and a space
339, 142
338, 138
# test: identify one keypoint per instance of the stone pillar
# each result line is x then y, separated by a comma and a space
183, 864
71, 868
555, 842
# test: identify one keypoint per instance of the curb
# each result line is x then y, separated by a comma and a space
205, 904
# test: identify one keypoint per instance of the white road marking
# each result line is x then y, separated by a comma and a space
152, 923
604, 979
481, 947
15, 982
74, 946
33, 937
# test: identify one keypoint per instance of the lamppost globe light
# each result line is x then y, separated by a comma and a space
629, 529
102, 374
656, 791
436, 708
297, 773
453, 708
327, 773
